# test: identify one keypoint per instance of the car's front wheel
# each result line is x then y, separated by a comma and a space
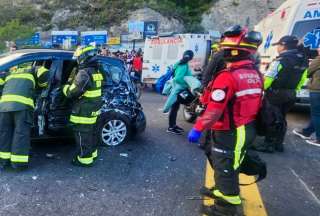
114, 129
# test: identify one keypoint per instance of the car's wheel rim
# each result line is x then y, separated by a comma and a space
114, 132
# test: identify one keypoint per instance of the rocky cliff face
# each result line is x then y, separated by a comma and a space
146, 14
113, 15
229, 12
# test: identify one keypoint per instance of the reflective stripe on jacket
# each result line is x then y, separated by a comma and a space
86, 89
288, 71
42, 77
18, 91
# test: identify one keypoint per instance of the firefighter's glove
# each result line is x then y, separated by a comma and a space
194, 136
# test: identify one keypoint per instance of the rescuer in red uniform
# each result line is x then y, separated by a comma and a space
232, 102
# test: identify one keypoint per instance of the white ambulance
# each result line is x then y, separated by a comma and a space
293, 17
161, 53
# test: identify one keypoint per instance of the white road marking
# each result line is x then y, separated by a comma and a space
315, 198
314, 144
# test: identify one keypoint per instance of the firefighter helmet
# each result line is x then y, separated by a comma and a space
82, 54
238, 38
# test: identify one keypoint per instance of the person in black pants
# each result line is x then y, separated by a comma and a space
285, 76
181, 69
173, 115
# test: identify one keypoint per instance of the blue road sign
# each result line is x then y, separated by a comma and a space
35, 38
135, 26
150, 28
98, 37
59, 36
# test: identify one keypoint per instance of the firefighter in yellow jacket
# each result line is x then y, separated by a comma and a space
85, 90
17, 88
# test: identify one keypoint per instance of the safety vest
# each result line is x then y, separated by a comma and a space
246, 101
2, 82
292, 65
18, 90
42, 77
86, 110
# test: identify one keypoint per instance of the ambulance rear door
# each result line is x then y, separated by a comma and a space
198, 43
160, 54
306, 27
273, 27
307, 19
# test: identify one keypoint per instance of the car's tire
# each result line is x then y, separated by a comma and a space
188, 116
114, 129
138, 90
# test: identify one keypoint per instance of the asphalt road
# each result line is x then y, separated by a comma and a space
155, 174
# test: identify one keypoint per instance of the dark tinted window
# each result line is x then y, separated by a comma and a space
69, 69
303, 27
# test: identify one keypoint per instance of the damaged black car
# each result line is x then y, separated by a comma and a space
121, 115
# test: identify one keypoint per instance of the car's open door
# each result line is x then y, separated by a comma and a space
53, 108
59, 107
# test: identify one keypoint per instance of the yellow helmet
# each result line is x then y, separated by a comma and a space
215, 46
81, 54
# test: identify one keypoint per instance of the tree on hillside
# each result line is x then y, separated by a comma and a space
13, 31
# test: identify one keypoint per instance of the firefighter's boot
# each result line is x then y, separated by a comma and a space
221, 208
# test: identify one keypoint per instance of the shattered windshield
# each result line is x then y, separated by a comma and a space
116, 75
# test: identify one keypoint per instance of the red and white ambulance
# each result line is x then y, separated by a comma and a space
160, 53
293, 17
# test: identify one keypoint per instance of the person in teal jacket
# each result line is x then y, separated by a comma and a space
181, 70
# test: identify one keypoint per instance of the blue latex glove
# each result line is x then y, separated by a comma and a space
194, 136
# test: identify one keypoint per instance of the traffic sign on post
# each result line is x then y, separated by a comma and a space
35, 38
97, 37
136, 29
58, 37
150, 28
114, 41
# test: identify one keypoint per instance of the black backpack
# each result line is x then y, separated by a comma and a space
269, 118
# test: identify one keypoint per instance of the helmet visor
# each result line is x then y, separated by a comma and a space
253, 37
233, 31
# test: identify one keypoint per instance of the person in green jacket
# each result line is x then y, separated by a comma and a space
181, 69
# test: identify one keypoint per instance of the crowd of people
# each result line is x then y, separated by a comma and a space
133, 59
